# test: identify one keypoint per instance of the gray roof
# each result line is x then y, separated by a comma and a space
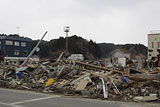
16, 38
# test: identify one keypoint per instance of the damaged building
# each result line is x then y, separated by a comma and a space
153, 48
119, 57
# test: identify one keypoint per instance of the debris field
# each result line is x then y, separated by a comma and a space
83, 78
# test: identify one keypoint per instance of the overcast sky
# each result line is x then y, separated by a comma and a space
110, 21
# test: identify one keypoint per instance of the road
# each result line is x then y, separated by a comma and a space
17, 98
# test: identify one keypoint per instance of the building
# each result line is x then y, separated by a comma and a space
15, 46
153, 44
76, 57
120, 57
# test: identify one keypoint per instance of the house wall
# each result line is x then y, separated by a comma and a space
122, 62
153, 44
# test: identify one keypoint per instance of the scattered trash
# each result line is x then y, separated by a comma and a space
84, 78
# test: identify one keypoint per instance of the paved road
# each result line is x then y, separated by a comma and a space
16, 98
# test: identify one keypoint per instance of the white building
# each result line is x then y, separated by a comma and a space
153, 44
76, 57
120, 57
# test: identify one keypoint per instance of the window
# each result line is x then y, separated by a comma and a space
152, 44
16, 43
16, 52
25, 53
8, 42
23, 44
158, 44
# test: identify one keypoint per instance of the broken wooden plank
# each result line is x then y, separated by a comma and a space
97, 67
60, 56
145, 98
80, 78
116, 89
82, 85
61, 69
134, 71
145, 76
105, 77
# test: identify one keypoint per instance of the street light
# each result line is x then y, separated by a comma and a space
66, 29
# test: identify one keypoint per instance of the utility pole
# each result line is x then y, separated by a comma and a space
33, 50
66, 29
18, 30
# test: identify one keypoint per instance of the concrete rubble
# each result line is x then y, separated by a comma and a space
68, 77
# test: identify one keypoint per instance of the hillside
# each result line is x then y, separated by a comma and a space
90, 49
76, 45
134, 49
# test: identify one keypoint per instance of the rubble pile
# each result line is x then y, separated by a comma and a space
68, 77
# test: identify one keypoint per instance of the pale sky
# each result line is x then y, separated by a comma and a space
110, 21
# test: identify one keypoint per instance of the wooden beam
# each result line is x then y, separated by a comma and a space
97, 67
145, 76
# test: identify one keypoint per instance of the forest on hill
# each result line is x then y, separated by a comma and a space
90, 49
